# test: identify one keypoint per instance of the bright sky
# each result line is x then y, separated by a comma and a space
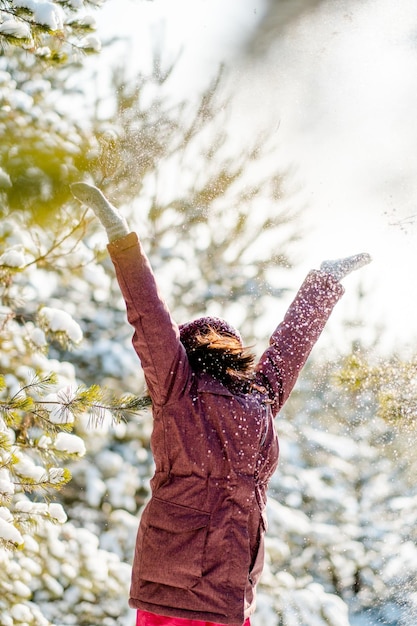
340, 90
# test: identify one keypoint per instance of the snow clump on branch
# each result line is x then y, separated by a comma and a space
72, 444
8, 532
14, 28
14, 257
58, 321
45, 13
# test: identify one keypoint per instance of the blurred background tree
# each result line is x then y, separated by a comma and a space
391, 382
346, 484
42, 146
278, 17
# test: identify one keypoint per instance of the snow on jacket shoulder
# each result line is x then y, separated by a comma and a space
199, 550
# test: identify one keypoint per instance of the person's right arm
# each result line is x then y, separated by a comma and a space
156, 336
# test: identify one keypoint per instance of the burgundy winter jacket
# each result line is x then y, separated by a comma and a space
199, 551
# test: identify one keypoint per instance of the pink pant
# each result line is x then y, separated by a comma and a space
144, 618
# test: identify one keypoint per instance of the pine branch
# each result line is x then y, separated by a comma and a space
56, 478
55, 247
6, 545
120, 408
392, 383
9, 461
37, 384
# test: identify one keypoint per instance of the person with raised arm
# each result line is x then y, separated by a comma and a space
200, 544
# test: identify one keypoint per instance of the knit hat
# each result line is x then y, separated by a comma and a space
201, 326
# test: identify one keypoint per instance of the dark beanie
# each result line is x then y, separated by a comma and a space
203, 325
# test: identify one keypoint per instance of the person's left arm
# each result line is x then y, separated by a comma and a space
304, 321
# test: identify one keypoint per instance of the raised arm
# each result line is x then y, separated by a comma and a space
293, 340
156, 336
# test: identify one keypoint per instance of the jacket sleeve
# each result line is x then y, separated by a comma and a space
293, 340
156, 337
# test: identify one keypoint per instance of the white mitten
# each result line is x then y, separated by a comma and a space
339, 268
115, 225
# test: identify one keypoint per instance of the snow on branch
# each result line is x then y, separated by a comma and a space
34, 24
37, 424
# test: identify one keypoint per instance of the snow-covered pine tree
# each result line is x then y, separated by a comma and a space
62, 328
391, 381
342, 508
52, 31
